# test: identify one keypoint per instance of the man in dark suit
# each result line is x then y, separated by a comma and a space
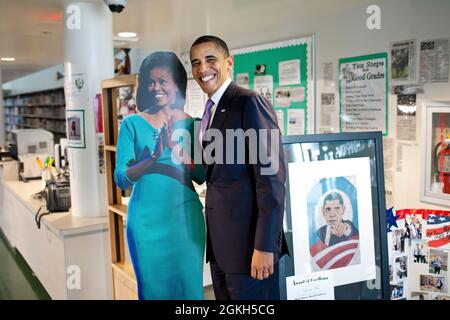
245, 192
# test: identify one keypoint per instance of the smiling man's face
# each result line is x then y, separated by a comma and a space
210, 66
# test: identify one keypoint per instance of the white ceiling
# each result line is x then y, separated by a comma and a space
32, 30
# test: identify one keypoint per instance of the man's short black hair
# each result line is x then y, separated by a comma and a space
333, 196
216, 40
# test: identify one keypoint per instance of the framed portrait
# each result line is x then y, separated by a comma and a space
335, 213
75, 128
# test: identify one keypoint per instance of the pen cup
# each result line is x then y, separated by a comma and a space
46, 176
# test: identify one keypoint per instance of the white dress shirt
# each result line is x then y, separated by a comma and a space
216, 98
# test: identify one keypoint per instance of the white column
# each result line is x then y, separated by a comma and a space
88, 60
2, 113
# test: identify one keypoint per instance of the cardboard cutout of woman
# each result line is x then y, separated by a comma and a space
165, 223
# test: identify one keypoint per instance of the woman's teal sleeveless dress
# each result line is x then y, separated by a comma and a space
165, 223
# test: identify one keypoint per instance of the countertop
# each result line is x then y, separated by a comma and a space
63, 224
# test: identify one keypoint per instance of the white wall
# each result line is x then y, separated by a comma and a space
344, 34
38, 81
340, 34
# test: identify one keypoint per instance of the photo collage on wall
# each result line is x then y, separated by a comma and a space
419, 255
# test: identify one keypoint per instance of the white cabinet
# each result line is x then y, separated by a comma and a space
69, 255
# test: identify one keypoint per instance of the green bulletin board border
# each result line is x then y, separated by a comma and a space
308, 82
365, 58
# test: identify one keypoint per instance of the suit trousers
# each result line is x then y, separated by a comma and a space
243, 287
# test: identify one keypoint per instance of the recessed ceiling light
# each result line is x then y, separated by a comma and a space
7, 59
126, 34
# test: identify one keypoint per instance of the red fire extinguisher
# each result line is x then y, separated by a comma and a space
442, 164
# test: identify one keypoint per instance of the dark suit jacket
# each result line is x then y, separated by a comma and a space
244, 209
335, 239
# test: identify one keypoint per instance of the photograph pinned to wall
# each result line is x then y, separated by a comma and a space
328, 99
398, 241
438, 262
403, 61
432, 283
332, 215
434, 60
415, 295
391, 271
283, 97
289, 72
406, 117
263, 85
413, 226
400, 268
243, 80
419, 251
260, 69
75, 129
398, 291
280, 119
296, 122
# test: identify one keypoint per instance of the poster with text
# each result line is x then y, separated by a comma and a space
363, 88
434, 60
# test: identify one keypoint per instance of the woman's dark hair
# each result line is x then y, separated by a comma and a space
165, 60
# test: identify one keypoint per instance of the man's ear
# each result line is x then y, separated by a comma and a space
230, 61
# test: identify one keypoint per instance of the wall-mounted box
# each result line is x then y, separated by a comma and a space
435, 186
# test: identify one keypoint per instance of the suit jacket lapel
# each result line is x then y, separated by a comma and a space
222, 109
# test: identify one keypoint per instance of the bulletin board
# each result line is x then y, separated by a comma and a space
283, 73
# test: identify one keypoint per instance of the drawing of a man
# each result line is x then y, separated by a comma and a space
336, 230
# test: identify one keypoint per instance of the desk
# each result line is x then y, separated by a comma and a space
69, 255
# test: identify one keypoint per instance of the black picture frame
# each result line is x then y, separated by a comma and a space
344, 146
